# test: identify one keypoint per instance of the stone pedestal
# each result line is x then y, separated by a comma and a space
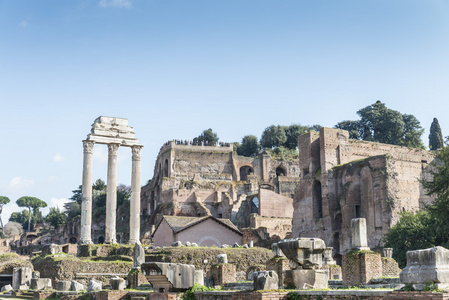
223, 273
359, 267
279, 265
306, 279
358, 232
265, 280
427, 265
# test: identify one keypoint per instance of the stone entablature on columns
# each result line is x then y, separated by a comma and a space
114, 132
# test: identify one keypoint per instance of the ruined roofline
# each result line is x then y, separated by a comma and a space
176, 144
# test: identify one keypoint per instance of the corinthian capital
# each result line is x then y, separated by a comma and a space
112, 149
88, 146
136, 151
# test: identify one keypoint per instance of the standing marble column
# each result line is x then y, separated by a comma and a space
134, 217
111, 195
86, 204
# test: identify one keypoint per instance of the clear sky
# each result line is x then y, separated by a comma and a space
176, 67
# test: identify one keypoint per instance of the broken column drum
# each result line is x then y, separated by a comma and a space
114, 132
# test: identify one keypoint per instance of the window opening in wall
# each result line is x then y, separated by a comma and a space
244, 172
255, 205
280, 171
358, 211
166, 168
220, 216
317, 200
305, 171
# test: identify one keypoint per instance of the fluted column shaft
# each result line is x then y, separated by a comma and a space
86, 204
134, 210
111, 195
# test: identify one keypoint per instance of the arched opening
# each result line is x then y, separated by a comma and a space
244, 172
72, 240
101, 240
166, 168
317, 200
255, 205
280, 172
338, 220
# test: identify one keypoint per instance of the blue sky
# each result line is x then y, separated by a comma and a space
177, 67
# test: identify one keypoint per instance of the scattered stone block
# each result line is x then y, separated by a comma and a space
425, 266
76, 286
21, 276
36, 274
279, 265
225, 246
63, 285
245, 246
265, 280
177, 244
304, 279
236, 245
277, 252
94, 285
117, 284
51, 249
222, 258
327, 256
6, 288
359, 239
138, 256
199, 277
194, 245
168, 276
387, 252
307, 252
251, 244
40, 283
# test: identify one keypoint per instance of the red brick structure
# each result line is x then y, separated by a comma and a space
223, 273
359, 267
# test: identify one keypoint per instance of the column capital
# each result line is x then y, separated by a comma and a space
112, 149
88, 146
136, 151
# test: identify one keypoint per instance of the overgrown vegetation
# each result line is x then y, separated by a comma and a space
189, 294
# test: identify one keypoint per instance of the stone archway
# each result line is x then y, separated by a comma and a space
244, 172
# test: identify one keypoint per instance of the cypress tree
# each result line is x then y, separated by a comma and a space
435, 136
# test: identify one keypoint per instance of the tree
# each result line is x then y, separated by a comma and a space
435, 136
3, 200
55, 217
207, 136
380, 124
292, 132
273, 136
31, 203
249, 146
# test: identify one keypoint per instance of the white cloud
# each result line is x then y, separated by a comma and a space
19, 184
115, 3
57, 202
23, 24
58, 157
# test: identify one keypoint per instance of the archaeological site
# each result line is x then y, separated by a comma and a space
212, 224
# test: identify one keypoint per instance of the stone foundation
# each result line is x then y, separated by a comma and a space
359, 267
223, 273
390, 267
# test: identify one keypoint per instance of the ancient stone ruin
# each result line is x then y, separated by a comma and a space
114, 132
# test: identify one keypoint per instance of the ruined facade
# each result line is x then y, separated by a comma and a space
199, 180
342, 179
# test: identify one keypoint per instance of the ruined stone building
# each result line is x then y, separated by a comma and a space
198, 180
342, 179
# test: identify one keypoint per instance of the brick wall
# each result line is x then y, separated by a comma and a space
390, 267
360, 267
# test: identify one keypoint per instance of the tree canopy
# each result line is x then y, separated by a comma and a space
250, 146
207, 136
32, 203
55, 217
435, 136
3, 200
380, 124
